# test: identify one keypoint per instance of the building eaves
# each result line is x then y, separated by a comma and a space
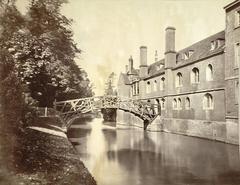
231, 4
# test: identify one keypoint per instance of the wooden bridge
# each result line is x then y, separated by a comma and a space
70, 109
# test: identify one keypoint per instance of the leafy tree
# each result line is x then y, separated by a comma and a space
44, 52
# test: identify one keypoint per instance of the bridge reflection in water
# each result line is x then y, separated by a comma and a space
129, 156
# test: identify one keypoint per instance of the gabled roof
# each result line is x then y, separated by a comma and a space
124, 77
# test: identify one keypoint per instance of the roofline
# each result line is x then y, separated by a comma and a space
199, 60
183, 65
153, 76
189, 47
231, 4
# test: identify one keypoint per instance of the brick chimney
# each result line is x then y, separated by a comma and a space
143, 62
170, 53
130, 60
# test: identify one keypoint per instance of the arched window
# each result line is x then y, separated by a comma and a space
179, 103
155, 85
156, 106
179, 80
162, 83
209, 72
208, 101
187, 103
195, 75
148, 87
174, 103
163, 103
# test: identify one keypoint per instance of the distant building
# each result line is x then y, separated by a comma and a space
198, 84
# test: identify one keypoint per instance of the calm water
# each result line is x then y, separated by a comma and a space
130, 156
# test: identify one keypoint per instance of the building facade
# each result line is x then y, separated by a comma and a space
197, 87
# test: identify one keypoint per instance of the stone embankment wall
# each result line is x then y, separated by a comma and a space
213, 130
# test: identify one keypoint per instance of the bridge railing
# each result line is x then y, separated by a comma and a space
70, 108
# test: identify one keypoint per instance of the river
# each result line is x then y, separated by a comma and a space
130, 156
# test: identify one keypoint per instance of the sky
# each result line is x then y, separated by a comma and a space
110, 31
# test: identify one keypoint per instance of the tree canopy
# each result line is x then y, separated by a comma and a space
43, 51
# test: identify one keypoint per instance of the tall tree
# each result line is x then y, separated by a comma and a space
44, 53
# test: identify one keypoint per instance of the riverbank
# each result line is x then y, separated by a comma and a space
43, 158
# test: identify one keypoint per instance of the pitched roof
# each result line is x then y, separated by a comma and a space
231, 4
134, 72
125, 78
156, 68
202, 49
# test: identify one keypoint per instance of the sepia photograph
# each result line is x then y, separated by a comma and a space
119, 92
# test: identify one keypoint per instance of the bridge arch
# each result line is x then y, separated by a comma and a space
71, 109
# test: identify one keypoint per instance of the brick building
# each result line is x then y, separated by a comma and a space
197, 87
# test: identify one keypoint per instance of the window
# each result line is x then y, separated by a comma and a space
162, 84
160, 66
179, 103
195, 75
209, 73
208, 101
187, 103
185, 56
216, 44
213, 45
155, 85
133, 89
163, 103
179, 80
137, 88
174, 103
237, 18
148, 87
236, 91
237, 55
190, 52
157, 109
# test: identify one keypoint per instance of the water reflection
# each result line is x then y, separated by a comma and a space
131, 156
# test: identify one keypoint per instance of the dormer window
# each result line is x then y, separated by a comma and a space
190, 53
213, 45
216, 44
187, 54
160, 66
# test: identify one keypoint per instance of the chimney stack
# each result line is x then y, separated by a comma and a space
143, 62
143, 56
130, 64
170, 40
170, 53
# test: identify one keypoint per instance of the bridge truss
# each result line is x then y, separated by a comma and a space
71, 109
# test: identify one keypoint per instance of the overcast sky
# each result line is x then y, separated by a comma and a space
109, 31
